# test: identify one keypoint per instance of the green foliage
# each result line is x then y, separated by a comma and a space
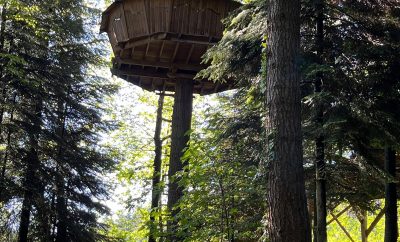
360, 86
224, 197
49, 82
50, 109
128, 228
135, 112
237, 56
133, 140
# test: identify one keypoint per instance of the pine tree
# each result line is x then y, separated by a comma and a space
52, 120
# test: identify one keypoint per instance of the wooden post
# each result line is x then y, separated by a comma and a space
335, 218
362, 218
364, 226
376, 220
181, 124
338, 215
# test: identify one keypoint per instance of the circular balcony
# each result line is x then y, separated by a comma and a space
156, 42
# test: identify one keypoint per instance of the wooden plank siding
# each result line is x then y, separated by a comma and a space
162, 40
135, 12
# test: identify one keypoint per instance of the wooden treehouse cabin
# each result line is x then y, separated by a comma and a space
156, 42
158, 46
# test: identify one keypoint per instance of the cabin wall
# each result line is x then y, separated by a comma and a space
136, 18
117, 24
132, 19
199, 18
157, 41
159, 15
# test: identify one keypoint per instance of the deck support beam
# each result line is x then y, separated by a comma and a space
362, 217
181, 125
336, 218
364, 226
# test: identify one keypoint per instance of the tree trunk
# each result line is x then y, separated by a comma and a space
61, 214
364, 226
25, 217
30, 186
2, 41
3, 26
181, 124
61, 203
391, 229
2, 103
320, 193
287, 203
156, 191
6, 153
4, 168
43, 216
31, 183
53, 217
313, 225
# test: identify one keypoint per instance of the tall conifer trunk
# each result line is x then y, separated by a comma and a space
320, 173
181, 124
3, 91
6, 153
31, 183
43, 215
391, 228
61, 212
156, 192
61, 206
287, 203
3, 17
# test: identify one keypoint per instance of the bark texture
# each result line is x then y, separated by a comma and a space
61, 204
25, 218
287, 204
181, 124
61, 214
2, 41
31, 183
391, 229
320, 186
156, 192
3, 94
30, 187
5, 158
43, 215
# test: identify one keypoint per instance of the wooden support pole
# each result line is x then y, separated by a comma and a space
181, 124
363, 219
339, 214
336, 218
376, 221
364, 226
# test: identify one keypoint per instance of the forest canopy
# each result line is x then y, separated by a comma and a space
294, 136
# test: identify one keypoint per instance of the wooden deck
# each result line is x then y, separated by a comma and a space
156, 42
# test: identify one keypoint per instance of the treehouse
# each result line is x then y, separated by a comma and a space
156, 42
158, 45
